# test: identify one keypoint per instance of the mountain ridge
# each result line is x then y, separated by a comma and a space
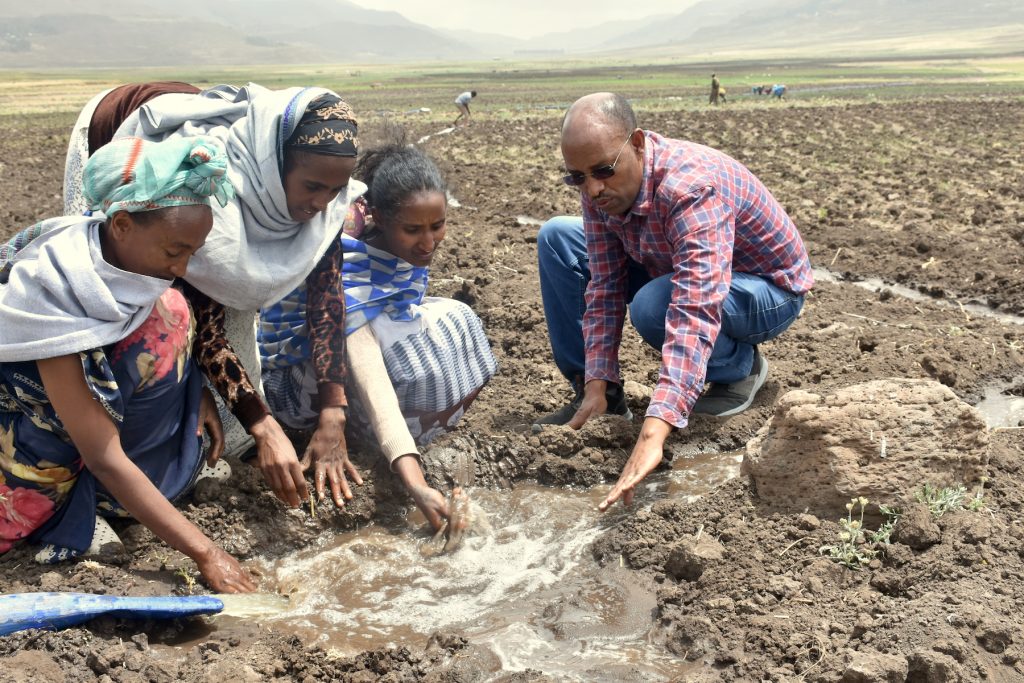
65, 33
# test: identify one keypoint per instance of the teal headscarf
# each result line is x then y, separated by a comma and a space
132, 174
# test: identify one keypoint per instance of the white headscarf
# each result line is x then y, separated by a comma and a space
61, 297
256, 253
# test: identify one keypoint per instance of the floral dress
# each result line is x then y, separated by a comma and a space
149, 386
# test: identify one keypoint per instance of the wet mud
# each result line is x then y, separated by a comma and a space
926, 194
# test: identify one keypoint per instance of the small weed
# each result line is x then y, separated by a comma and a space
854, 549
892, 515
186, 576
951, 498
976, 503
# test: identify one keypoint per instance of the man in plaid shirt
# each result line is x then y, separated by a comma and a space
694, 245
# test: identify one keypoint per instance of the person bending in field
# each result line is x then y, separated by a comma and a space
292, 154
694, 245
102, 403
462, 104
416, 363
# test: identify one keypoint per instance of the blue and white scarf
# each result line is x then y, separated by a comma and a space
375, 282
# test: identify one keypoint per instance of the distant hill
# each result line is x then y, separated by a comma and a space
119, 33
741, 24
55, 33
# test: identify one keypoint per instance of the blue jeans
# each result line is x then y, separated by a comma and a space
754, 311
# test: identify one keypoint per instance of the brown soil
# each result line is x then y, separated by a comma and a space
926, 193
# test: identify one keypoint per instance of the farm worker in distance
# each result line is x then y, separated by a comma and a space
704, 257
462, 104
292, 153
716, 89
102, 403
415, 362
778, 91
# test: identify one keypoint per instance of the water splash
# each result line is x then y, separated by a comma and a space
530, 591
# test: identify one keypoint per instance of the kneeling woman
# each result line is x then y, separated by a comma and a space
416, 363
101, 404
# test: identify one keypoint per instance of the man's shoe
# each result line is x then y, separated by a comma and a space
616, 406
562, 415
722, 400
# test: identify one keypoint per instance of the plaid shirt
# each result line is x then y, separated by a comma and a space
700, 215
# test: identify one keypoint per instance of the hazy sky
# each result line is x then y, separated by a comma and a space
523, 18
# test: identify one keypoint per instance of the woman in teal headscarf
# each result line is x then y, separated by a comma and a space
101, 402
291, 156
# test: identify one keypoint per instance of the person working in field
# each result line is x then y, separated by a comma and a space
101, 401
462, 104
694, 245
416, 363
292, 153
716, 90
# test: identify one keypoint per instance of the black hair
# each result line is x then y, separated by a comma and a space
473, 93
393, 173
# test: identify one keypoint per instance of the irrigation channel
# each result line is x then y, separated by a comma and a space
529, 590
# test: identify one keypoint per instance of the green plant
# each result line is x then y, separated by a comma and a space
976, 502
186, 576
951, 498
892, 515
853, 549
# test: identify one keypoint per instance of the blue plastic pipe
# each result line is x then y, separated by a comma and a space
60, 610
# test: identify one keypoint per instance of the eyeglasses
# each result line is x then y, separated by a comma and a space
577, 178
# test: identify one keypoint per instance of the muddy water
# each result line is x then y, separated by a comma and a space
529, 590
874, 284
1002, 409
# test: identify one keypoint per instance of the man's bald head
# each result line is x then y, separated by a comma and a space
606, 110
603, 151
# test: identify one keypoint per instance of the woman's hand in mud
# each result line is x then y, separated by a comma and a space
222, 572
209, 420
647, 454
327, 453
430, 502
278, 462
594, 403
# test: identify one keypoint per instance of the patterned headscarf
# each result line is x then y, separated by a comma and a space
327, 127
131, 174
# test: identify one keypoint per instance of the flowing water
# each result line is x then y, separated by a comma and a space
873, 284
1001, 408
529, 590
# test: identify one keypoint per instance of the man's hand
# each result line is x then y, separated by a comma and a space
647, 455
594, 403
327, 453
278, 462
209, 419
